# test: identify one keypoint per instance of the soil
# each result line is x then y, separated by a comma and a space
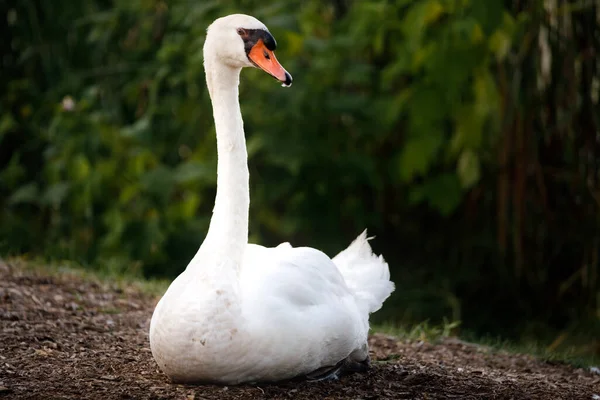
65, 337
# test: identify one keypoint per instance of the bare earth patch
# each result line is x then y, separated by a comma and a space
64, 337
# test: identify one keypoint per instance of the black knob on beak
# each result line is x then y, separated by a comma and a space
288, 80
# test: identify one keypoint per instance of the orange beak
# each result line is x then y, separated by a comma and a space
265, 59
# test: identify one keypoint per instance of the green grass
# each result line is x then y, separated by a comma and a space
575, 351
120, 277
423, 331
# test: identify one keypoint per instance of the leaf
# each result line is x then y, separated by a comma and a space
468, 169
128, 193
137, 129
443, 193
80, 168
391, 109
7, 122
56, 193
158, 182
487, 100
188, 206
25, 194
488, 13
295, 42
422, 55
421, 15
477, 34
13, 173
500, 43
434, 10
193, 172
417, 156
467, 132
426, 108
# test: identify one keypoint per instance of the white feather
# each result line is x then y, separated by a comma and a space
367, 275
242, 312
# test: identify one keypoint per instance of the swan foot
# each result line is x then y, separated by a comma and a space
350, 367
344, 367
326, 373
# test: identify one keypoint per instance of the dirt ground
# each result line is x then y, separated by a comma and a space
64, 337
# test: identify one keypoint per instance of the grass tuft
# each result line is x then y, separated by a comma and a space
423, 331
122, 278
575, 353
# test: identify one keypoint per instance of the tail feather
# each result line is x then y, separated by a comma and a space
366, 274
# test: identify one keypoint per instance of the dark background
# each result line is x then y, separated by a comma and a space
464, 134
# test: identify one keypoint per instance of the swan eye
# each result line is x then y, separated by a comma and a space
241, 31
266, 55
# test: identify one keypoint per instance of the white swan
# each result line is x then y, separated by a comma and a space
246, 313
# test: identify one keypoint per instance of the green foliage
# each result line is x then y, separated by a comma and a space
441, 125
423, 331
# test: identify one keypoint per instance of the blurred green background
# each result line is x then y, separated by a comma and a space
464, 134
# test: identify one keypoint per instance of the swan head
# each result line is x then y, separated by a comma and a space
240, 41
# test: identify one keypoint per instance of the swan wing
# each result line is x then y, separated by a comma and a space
299, 309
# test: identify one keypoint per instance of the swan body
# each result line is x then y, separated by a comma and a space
246, 313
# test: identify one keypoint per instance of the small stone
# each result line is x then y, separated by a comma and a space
42, 352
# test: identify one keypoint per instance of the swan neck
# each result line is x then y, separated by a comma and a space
228, 231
